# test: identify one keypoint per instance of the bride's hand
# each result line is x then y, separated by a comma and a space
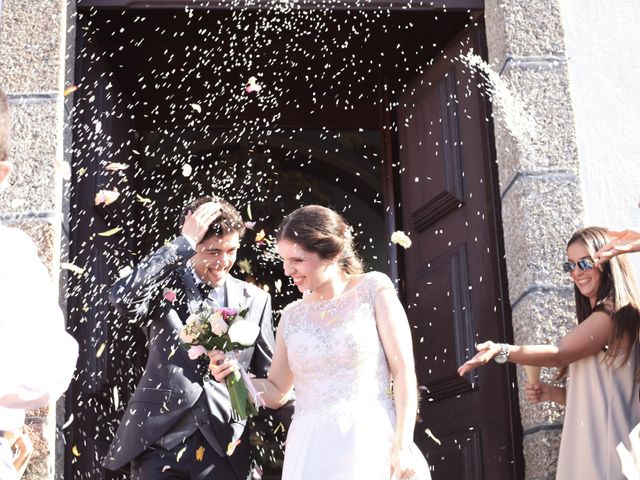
402, 463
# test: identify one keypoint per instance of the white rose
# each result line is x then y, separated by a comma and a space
401, 238
193, 321
244, 332
218, 326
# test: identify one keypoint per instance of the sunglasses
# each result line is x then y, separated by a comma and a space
584, 264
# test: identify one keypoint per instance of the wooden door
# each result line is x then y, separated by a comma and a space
454, 270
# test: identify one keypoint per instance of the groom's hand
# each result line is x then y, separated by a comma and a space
220, 366
197, 223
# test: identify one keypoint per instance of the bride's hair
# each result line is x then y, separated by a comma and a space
321, 230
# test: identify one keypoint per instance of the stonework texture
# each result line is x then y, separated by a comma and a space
33, 152
30, 45
541, 196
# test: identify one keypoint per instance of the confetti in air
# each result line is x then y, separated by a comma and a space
401, 238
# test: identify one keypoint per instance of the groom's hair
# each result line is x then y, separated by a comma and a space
5, 127
229, 220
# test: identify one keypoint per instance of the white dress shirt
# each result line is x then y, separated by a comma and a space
37, 355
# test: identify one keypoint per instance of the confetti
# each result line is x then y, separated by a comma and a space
401, 238
111, 232
278, 285
252, 85
106, 196
169, 295
69, 90
232, 447
260, 236
143, 200
125, 272
196, 107
180, 453
100, 350
72, 268
68, 422
245, 266
165, 468
75, 451
200, 454
115, 166
250, 225
186, 170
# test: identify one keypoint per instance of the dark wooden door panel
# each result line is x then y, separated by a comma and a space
452, 270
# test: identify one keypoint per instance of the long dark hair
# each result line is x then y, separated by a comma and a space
321, 230
617, 295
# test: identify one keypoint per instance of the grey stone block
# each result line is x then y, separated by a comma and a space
541, 454
518, 28
542, 318
539, 215
32, 183
31, 45
535, 130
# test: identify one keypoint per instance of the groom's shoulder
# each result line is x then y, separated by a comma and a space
251, 289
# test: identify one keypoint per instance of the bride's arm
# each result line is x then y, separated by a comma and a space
274, 390
395, 335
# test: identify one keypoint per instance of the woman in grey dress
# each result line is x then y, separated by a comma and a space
600, 357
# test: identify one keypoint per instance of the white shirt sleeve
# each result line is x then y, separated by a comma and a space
37, 355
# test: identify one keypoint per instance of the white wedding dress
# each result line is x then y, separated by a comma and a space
344, 420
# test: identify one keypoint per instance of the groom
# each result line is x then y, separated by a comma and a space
177, 423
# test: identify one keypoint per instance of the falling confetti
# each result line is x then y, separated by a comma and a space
232, 447
401, 238
69, 90
260, 236
100, 350
75, 451
196, 107
200, 454
72, 268
169, 295
180, 453
110, 232
252, 85
68, 422
115, 166
143, 200
106, 196
186, 170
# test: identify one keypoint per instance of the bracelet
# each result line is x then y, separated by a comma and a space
503, 356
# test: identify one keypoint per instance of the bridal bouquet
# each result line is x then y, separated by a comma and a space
224, 329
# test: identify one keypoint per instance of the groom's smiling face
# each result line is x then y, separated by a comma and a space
214, 258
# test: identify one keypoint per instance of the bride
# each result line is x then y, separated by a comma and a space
346, 346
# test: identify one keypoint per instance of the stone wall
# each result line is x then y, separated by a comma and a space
541, 194
31, 61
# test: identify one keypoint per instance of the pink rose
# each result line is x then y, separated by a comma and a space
218, 326
228, 312
196, 352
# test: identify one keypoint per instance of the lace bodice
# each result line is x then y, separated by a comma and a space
334, 350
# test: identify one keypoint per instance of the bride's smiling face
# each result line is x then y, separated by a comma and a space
307, 270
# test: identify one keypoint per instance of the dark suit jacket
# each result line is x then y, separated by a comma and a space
172, 382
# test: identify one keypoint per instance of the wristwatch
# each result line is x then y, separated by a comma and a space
503, 356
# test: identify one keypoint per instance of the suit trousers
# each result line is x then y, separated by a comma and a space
7, 472
182, 462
